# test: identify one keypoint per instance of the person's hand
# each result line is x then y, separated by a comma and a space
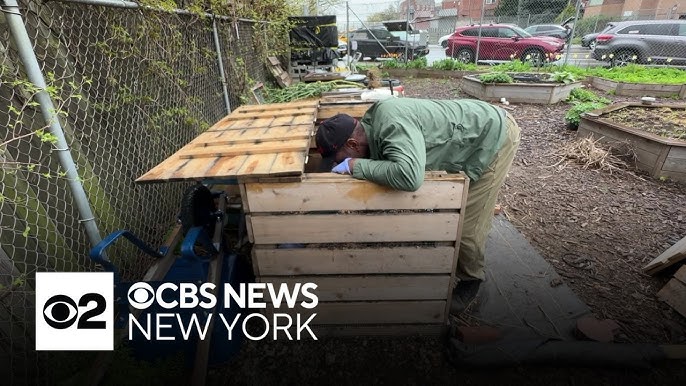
342, 168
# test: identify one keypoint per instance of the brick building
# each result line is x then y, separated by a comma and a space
637, 9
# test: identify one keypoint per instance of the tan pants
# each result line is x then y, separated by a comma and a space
481, 200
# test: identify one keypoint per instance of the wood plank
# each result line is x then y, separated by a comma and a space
677, 152
245, 123
277, 106
611, 134
329, 261
453, 269
257, 165
676, 176
370, 287
681, 274
323, 192
352, 228
269, 147
355, 110
288, 164
671, 256
674, 294
675, 165
370, 312
220, 168
271, 114
253, 134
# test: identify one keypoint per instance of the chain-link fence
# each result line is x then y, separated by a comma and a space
647, 32
129, 86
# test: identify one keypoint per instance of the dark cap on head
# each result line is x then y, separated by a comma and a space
333, 133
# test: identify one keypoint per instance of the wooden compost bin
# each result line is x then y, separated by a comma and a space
538, 93
639, 89
383, 260
656, 155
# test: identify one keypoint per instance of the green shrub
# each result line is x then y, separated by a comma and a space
393, 63
573, 115
513, 66
496, 77
453, 65
585, 95
418, 63
635, 73
565, 77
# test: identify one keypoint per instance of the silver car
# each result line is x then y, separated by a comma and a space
647, 41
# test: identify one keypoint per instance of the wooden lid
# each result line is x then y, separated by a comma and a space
269, 140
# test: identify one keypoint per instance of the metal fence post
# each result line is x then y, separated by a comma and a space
576, 22
220, 61
21, 38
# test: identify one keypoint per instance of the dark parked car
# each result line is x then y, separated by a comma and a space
378, 42
654, 41
502, 42
554, 30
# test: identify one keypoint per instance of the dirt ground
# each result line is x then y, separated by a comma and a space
597, 229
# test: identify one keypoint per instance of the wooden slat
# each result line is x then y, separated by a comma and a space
328, 261
281, 131
674, 294
327, 192
228, 124
355, 228
257, 165
288, 164
232, 137
348, 288
277, 106
270, 147
355, 110
671, 256
681, 274
677, 152
238, 116
675, 165
432, 311
453, 269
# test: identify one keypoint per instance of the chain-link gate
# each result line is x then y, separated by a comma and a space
130, 86
643, 32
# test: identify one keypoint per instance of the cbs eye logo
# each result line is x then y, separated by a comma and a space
74, 311
61, 311
141, 295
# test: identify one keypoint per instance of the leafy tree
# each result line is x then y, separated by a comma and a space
390, 13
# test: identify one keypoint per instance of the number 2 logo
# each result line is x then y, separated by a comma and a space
61, 311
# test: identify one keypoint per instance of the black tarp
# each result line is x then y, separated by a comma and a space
313, 31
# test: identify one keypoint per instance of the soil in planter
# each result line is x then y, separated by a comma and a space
663, 121
531, 78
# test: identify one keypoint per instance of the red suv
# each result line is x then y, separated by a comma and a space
502, 42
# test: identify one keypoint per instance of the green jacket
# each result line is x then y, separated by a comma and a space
408, 136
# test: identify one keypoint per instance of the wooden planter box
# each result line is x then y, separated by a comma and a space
383, 260
428, 73
658, 156
638, 89
539, 93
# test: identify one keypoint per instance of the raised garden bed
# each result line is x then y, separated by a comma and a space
527, 88
638, 89
429, 73
656, 134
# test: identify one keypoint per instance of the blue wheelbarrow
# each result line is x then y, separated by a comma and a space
204, 257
